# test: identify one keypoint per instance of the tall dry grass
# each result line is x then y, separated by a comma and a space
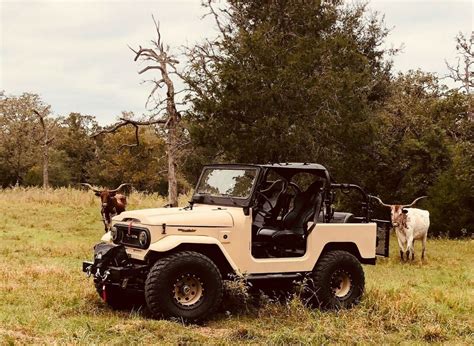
46, 299
76, 197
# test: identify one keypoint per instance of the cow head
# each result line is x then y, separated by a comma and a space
398, 212
105, 195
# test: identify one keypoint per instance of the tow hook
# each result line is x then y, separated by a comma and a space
89, 271
125, 283
102, 277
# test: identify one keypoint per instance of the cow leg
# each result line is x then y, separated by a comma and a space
104, 220
107, 221
410, 249
423, 242
401, 245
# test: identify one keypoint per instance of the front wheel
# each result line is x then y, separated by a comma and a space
118, 298
186, 285
336, 282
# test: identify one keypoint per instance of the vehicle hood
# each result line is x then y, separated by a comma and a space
199, 216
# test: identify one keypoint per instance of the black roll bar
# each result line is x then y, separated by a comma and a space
346, 188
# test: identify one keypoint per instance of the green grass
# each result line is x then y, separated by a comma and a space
45, 298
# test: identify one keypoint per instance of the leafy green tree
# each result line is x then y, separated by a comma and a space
18, 134
288, 81
452, 195
77, 148
411, 147
144, 166
422, 148
463, 72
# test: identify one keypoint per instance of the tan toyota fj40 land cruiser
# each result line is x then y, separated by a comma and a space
266, 223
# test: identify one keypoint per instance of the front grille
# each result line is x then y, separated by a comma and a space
129, 236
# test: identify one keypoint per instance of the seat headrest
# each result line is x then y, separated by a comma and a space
314, 187
276, 185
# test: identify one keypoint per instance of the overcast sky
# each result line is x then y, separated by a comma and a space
74, 53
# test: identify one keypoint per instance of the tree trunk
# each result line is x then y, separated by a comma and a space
172, 179
172, 117
46, 164
173, 123
45, 142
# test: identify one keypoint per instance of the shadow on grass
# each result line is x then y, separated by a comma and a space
239, 299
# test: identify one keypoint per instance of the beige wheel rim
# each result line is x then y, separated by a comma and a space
188, 290
341, 283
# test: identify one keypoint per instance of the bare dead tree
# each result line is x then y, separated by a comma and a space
462, 71
164, 109
45, 141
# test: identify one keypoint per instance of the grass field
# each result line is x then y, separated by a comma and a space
45, 298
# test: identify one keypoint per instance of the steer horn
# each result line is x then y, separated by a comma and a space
380, 201
90, 187
118, 188
412, 203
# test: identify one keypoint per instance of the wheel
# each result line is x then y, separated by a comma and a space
336, 282
118, 298
186, 285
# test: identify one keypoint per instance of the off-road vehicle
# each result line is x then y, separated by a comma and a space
266, 223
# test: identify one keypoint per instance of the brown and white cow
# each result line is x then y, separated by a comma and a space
112, 203
410, 224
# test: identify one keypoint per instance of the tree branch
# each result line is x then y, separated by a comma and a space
124, 122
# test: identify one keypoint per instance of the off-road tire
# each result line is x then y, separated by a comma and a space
165, 280
323, 289
118, 298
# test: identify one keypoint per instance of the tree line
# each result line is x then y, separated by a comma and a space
307, 83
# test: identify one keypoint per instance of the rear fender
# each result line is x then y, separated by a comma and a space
349, 247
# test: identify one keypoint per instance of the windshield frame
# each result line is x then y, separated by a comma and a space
227, 200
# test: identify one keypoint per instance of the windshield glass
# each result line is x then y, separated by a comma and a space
224, 182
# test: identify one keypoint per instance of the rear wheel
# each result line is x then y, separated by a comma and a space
186, 285
337, 281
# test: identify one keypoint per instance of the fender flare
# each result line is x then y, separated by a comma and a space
107, 237
348, 246
171, 242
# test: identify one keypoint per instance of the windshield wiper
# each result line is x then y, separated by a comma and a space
206, 194
231, 198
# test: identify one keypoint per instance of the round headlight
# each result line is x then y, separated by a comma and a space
114, 232
143, 238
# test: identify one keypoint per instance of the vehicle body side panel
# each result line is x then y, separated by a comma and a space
231, 231
362, 235
172, 241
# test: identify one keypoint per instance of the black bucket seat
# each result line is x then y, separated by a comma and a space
269, 203
293, 227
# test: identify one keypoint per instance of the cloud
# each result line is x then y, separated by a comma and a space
427, 30
75, 54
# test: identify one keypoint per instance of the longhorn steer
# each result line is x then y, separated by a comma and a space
112, 203
410, 224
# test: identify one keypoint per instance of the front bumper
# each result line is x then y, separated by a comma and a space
113, 266
112, 273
